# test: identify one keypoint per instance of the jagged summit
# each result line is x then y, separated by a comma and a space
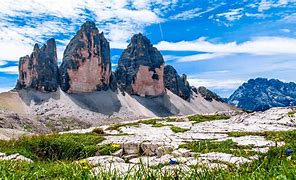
140, 68
261, 94
88, 25
86, 65
175, 83
39, 70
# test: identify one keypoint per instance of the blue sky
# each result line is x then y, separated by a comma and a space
217, 43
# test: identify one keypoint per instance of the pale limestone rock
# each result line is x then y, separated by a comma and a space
181, 152
103, 160
118, 153
131, 148
224, 158
117, 167
162, 150
15, 157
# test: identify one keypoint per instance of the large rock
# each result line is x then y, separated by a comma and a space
39, 70
178, 85
140, 68
86, 63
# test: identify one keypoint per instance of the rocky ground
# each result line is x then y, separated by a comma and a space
162, 142
214, 141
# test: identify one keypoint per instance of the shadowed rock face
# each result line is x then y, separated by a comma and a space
207, 94
140, 68
261, 94
178, 85
40, 69
86, 64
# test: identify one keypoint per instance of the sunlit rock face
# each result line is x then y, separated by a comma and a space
175, 83
86, 65
39, 70
140, 68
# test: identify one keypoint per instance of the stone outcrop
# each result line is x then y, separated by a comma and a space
140, 68
39, 70
178, 85
207, 94
86, 65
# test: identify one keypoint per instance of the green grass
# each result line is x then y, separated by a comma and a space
270, 135
228, 146
108, 149
69, 147
176, 129
291, 113
202, 118
117, 126
54, 147
153, 122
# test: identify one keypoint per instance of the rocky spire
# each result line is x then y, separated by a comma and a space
86, 65
178, 85
140, 68
39, 70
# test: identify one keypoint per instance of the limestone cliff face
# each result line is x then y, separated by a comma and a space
86, 65
175, 83
140, 68
39, 70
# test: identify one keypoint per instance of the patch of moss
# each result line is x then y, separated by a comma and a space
291, 113
176, 129
228, 146
117, 126
203, 118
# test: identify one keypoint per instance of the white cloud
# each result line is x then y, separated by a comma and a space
232, 15
185, 15
2, 63
215, 84
119, 19
192, 13
286, 30
196, 57
265, 5
10, 70
256, 46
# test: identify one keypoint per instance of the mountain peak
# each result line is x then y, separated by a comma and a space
261, 94
88, 25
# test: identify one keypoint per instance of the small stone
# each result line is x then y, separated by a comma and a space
160, 151
118, 153
130, 156
16, 157
182, 153
131, 148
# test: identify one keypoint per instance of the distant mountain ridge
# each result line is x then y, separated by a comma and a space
261, 94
